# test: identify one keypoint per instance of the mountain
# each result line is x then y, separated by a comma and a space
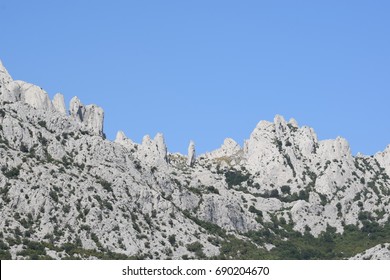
66, 192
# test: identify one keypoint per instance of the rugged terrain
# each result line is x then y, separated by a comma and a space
66, 192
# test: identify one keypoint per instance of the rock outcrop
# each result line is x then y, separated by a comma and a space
91, 116
153, 152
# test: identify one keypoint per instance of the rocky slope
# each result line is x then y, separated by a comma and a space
379, 252
67, 192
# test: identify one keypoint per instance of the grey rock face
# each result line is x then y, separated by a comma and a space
35, 97
13, 91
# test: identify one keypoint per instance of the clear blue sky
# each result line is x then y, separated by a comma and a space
207, 70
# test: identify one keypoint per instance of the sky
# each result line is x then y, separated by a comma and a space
208, 70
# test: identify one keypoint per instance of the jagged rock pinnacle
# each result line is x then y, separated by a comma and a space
59, 104
94, 119
120, 137
77, 109
92, 116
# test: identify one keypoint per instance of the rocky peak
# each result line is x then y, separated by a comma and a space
152, 152
265, 152
306, 140
5, 77
280, 126
124, 141
335, 149
120, 137
292, 122
228, 148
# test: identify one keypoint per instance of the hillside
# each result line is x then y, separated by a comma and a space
66, 192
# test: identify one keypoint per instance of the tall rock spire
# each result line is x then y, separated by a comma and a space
191, 154
161, 146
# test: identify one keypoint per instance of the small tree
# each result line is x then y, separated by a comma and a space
286, 190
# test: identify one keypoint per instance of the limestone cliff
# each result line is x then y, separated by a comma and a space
67, 192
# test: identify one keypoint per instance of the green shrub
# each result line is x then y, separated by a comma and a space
172, 239
42, 124
108, 205
196, 248
5, 255
235, 178
106, 185
252, 209
286, 189
13, 173
212, 189
53, 194
274, 193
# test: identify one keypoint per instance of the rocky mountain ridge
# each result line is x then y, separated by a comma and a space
67, 192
